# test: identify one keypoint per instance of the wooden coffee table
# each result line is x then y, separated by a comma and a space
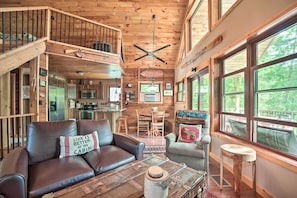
128, 181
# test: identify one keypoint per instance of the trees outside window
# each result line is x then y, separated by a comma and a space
258, 92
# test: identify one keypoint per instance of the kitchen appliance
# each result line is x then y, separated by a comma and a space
56, 103
86, 115
88, 94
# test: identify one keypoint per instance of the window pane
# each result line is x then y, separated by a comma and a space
234, 125
278, 105
234, 83
234, 103
114, 94
282, 44
199, 22
180, 92
277, 76
195, 94
150, 87
226, 5
235, 62
280, 137
204, 93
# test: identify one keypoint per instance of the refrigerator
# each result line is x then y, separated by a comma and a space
56, 103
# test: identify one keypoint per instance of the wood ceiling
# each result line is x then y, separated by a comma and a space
134, 18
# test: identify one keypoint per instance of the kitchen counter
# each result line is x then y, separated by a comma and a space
107, 113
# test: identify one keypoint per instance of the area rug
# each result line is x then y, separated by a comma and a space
152, 144
216, 179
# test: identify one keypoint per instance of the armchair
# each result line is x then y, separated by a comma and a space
194, 155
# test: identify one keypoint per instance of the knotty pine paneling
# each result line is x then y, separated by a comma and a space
134, 18
133, 76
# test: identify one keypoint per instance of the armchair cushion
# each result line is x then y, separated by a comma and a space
77, 145
189, 133
189, 149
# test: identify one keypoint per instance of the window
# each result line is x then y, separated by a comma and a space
225, 5
258, 92
114, 94
200, 91
180, 92
150, 92
199, 22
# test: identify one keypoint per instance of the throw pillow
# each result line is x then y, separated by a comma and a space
190, 133
77, 145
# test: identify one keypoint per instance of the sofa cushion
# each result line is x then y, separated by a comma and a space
43, 139
77, 145
190, 133
108, 158
55, 174
190, 149
101, 126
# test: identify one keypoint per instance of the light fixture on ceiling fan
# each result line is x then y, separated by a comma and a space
152, 53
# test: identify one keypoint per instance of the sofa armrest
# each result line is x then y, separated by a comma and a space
170, 139
14, 174
206, 139
129, 144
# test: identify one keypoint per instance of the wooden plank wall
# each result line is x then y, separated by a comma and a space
133, 76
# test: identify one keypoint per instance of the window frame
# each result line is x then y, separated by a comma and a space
180, 92
252, 119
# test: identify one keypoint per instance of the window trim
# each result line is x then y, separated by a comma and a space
250, 86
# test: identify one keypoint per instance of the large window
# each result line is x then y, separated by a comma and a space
259, 92
200, 91
199, 22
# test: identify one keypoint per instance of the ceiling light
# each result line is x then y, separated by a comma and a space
81, 73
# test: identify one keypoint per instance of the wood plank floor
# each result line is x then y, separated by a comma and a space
227, 192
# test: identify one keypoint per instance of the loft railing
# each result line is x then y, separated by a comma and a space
19, 26
13, 132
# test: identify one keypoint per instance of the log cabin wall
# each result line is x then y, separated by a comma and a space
135, 20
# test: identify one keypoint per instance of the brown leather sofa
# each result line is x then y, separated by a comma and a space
36, 169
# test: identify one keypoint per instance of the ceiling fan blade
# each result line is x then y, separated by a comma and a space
161, 48
140, 48
141, 57
160, 59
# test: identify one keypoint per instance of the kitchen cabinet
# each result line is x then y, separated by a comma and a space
100, 91
71, 91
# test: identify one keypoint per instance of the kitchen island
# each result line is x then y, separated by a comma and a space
111, 114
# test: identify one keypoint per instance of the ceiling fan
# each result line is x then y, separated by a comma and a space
152, 53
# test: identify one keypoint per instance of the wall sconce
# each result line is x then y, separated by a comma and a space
194, 69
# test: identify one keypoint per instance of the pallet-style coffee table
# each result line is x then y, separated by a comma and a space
128, 181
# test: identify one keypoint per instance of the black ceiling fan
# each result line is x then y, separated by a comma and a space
152, 53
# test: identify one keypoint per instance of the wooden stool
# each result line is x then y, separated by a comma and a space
122, 124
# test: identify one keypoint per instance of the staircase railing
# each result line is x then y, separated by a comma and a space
13, 132
19, 26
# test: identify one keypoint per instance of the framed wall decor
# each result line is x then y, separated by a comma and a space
168, 92
42, 83
42, 72
167, 85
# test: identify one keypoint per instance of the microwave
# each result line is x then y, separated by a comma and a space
88, 94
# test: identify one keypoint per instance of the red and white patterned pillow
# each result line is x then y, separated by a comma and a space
190, 133
77, 145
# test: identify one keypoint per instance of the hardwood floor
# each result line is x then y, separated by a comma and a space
227, 192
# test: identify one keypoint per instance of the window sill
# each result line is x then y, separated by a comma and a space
276, 158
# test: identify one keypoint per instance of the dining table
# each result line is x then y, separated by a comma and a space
148, 117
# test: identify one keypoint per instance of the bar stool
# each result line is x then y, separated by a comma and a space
122, 124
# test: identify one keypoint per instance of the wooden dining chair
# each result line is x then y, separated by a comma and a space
157, 125
143, 123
